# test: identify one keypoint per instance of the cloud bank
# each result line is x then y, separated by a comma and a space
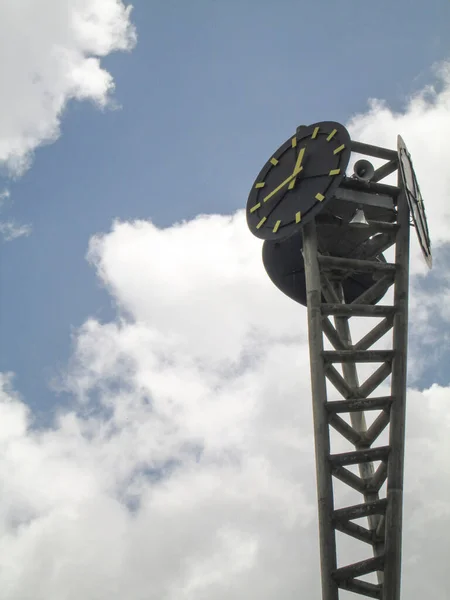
52, 53
184, 469
425, 126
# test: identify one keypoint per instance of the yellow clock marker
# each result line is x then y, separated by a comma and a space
339, 149
315, 132
320, 197
294, 141
332, 134
276, 226
334, 172
254, 208
261, 223
274, 161
298, 217
260, 185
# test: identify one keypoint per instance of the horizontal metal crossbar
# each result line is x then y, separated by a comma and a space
376, 151
357, 356
371, 590
355, 264
357, 310
381, 226
363, 567
349, 183
359, 456
377, 507
360, 404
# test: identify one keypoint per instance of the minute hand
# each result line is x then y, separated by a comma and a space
298, 164
297, 167
282, 184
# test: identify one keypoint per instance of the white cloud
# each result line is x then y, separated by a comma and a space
11, 231
188, 471
4, 196
186, 468
425, 126
52, 53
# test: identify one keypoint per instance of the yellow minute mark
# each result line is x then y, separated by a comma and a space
276, 226
332, 134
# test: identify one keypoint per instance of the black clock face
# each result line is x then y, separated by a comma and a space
298, 180
415, 201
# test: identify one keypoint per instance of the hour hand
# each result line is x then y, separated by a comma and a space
277, 189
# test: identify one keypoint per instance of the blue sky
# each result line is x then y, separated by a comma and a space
188, 380
209, 90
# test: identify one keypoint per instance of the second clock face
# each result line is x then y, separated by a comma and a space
298, 180
415, 201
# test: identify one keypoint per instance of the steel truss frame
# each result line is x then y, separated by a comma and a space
384, 514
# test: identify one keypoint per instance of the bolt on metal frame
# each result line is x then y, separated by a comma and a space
384, 514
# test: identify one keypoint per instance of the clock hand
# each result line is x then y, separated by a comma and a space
298, 167
298, 164
282, 184
305, 176
275, 206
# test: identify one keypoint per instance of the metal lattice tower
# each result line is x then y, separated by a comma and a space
325, 239
384, 514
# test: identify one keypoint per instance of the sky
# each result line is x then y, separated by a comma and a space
155, 413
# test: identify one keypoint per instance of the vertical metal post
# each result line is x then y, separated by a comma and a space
327, 535
393, 523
